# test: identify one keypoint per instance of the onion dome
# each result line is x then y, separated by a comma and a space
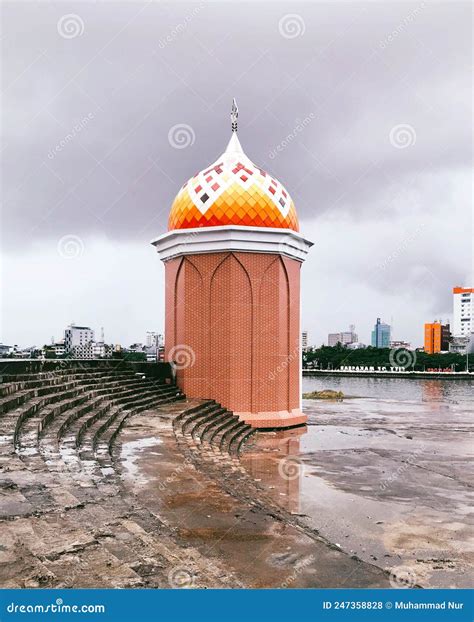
233, 191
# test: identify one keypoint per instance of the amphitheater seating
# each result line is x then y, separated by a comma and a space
58, 458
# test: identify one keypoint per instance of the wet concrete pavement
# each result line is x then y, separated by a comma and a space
388, 481
222, 518
375, 492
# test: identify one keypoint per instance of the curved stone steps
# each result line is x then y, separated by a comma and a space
79, 429
55, 422
103, 444
215, 434
180, 417
21, 398
148, 403
210, 427
189, 422
171, 394
10, 385
116, 392
238, 437
55, 385
27, 439
48, 441
100, 400
221, 441
199, 425
46, 408
243, 440
80, 444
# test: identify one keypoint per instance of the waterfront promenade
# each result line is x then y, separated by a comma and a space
367, 373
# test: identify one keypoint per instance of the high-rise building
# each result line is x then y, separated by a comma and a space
344, 338
232, 255
463, 311
436, 337
78, 341
381, 335
153, 339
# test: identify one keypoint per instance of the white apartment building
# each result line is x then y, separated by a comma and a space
78, 341
463, 311
153, 340
101, 350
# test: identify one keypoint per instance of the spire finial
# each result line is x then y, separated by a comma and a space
234, 114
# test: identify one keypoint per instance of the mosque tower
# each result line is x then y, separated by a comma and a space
232, 258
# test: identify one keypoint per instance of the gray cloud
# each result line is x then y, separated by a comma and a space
86, 150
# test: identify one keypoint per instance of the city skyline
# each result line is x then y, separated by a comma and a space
450, 320
356, 122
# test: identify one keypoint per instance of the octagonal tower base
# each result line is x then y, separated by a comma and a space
233, 319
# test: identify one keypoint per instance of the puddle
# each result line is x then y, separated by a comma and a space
371, 475
261, 551
130, 454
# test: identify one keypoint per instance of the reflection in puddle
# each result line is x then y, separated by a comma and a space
131, 453
384, 480
273, 458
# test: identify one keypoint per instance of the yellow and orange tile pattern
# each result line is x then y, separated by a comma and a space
233, 191
235, 206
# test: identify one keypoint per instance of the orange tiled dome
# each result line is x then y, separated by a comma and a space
233, 191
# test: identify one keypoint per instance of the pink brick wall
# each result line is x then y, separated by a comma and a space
239, 313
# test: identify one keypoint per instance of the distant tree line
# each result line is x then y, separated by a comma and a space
327, 357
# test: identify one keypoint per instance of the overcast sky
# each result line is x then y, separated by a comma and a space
362, 110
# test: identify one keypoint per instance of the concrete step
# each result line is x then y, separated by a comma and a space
111, 434
215, 433
82, 436
177, 421
209, 428
33, 402
200, 424
188, 423
242, 439
8, 388
236, 438
221, 440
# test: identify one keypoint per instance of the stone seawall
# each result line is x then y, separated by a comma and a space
158, 371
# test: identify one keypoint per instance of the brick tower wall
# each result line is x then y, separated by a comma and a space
236, 317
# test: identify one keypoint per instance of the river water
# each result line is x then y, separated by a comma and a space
385, 474
403, 389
